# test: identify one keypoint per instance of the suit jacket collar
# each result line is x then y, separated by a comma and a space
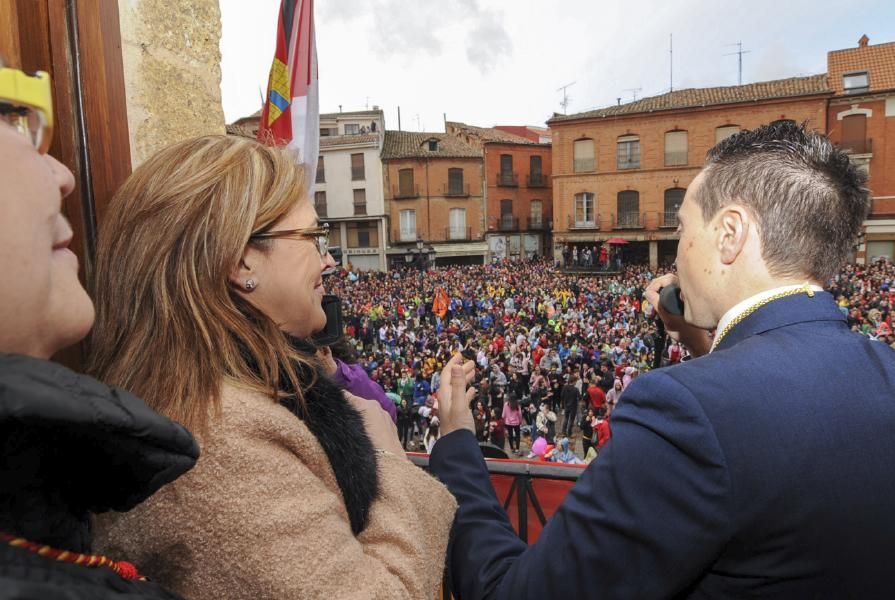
799, 308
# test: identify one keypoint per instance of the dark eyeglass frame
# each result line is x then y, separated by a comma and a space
320, 234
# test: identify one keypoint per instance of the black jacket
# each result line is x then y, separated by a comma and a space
71, 446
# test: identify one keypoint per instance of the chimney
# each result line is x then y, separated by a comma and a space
862, 43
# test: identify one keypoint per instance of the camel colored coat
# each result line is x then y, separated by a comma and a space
262, 517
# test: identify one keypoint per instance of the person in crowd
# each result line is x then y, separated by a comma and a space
719, 480
497, 433
563, 454
431, 434
480, 417
340, 363
587, 430
546, 423
571, 397
69, 444
512, 419
404, 415
613, 396
211, 260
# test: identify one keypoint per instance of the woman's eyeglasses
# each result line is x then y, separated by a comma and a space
320, 234
26, 103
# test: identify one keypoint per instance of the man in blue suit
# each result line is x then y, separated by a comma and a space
765, 467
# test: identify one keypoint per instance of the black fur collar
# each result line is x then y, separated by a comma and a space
340, 430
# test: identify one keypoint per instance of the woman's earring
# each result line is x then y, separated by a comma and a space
250, 284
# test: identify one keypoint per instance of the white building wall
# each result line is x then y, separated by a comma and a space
339, 186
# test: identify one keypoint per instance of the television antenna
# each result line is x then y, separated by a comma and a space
740, 52
634, 91
565, 96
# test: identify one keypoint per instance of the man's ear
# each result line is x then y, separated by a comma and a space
733, 225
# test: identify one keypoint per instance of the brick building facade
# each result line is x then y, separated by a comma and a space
518, 194
861, 119
433, 193
622, 171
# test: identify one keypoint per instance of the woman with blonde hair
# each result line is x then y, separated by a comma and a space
209, 278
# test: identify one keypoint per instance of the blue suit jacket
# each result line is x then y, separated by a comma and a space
766, 468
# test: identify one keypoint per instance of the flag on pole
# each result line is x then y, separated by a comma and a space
291, 113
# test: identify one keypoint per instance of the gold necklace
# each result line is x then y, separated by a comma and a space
805, 288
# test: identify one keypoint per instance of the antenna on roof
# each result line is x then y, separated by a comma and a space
565, 96
367, 104
740, 52
670, 62
634, 91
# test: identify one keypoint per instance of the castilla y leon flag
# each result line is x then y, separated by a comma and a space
291, 113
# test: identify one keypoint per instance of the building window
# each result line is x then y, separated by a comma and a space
725, 131
854, 134
360, 202
674, 197
405, 183
583, 156
408, 225
363, 234
335, 235
628, 152
856, 82
357, 167
628, 210
320, 203
584, 210
506, 164
321, 172
455, 182
352, 129
535, 173
433, 145
536, 216
457, 220
675, 148
506, 215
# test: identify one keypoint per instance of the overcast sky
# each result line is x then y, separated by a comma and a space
489, 62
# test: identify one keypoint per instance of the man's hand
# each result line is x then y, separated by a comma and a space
454, 399
698, 341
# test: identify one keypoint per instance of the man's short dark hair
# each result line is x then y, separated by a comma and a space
809, 199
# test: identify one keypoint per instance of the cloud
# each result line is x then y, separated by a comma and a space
406, 30
488, 41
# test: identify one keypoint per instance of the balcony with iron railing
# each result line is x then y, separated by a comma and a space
584, 165
857, 146
405, 192
538, 224
507, 179
455, 190
628, 220
457, 234
404, 236
676, 159
590, 222
537, 180
508, 223
668, 219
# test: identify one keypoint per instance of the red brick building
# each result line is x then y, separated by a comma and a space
434, 194
622, 171
861, 119
518, 194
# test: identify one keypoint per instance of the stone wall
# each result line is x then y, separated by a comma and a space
172, 72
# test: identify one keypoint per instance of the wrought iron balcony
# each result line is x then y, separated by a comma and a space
668, 219
457, 234
537, 180
628, 220
405, 192
857, 146
403, 236
455, 190
577, 223
507, 179
508, 223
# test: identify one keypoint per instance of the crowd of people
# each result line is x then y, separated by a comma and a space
553, 351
